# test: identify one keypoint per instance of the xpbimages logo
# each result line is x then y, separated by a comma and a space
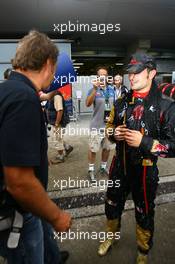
82, 235
101, 28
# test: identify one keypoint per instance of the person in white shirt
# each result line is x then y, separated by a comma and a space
117, 85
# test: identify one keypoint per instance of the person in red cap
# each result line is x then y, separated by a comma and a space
142, 124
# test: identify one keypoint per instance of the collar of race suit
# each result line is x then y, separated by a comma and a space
140, 95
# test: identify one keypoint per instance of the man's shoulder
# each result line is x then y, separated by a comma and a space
166, 102
125, 88
15, 90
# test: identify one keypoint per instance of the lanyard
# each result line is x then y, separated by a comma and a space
105, 93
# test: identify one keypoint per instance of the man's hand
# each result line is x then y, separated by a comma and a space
63, 223
27, 190
96, 84
47, 96
56, 129
56, 125
119, 133
133, 138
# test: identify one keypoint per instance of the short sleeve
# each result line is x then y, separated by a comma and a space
20, 134
58, 103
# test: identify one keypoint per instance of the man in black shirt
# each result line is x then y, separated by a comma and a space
23, 149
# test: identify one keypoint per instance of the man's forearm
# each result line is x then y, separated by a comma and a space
90, 98
47, 96
59, 117
26, 189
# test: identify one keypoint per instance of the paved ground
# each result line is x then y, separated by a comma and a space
85, 251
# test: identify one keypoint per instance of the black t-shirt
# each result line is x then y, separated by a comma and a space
23, 137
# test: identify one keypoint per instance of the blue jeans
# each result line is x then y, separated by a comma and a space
51, 249
30, 249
